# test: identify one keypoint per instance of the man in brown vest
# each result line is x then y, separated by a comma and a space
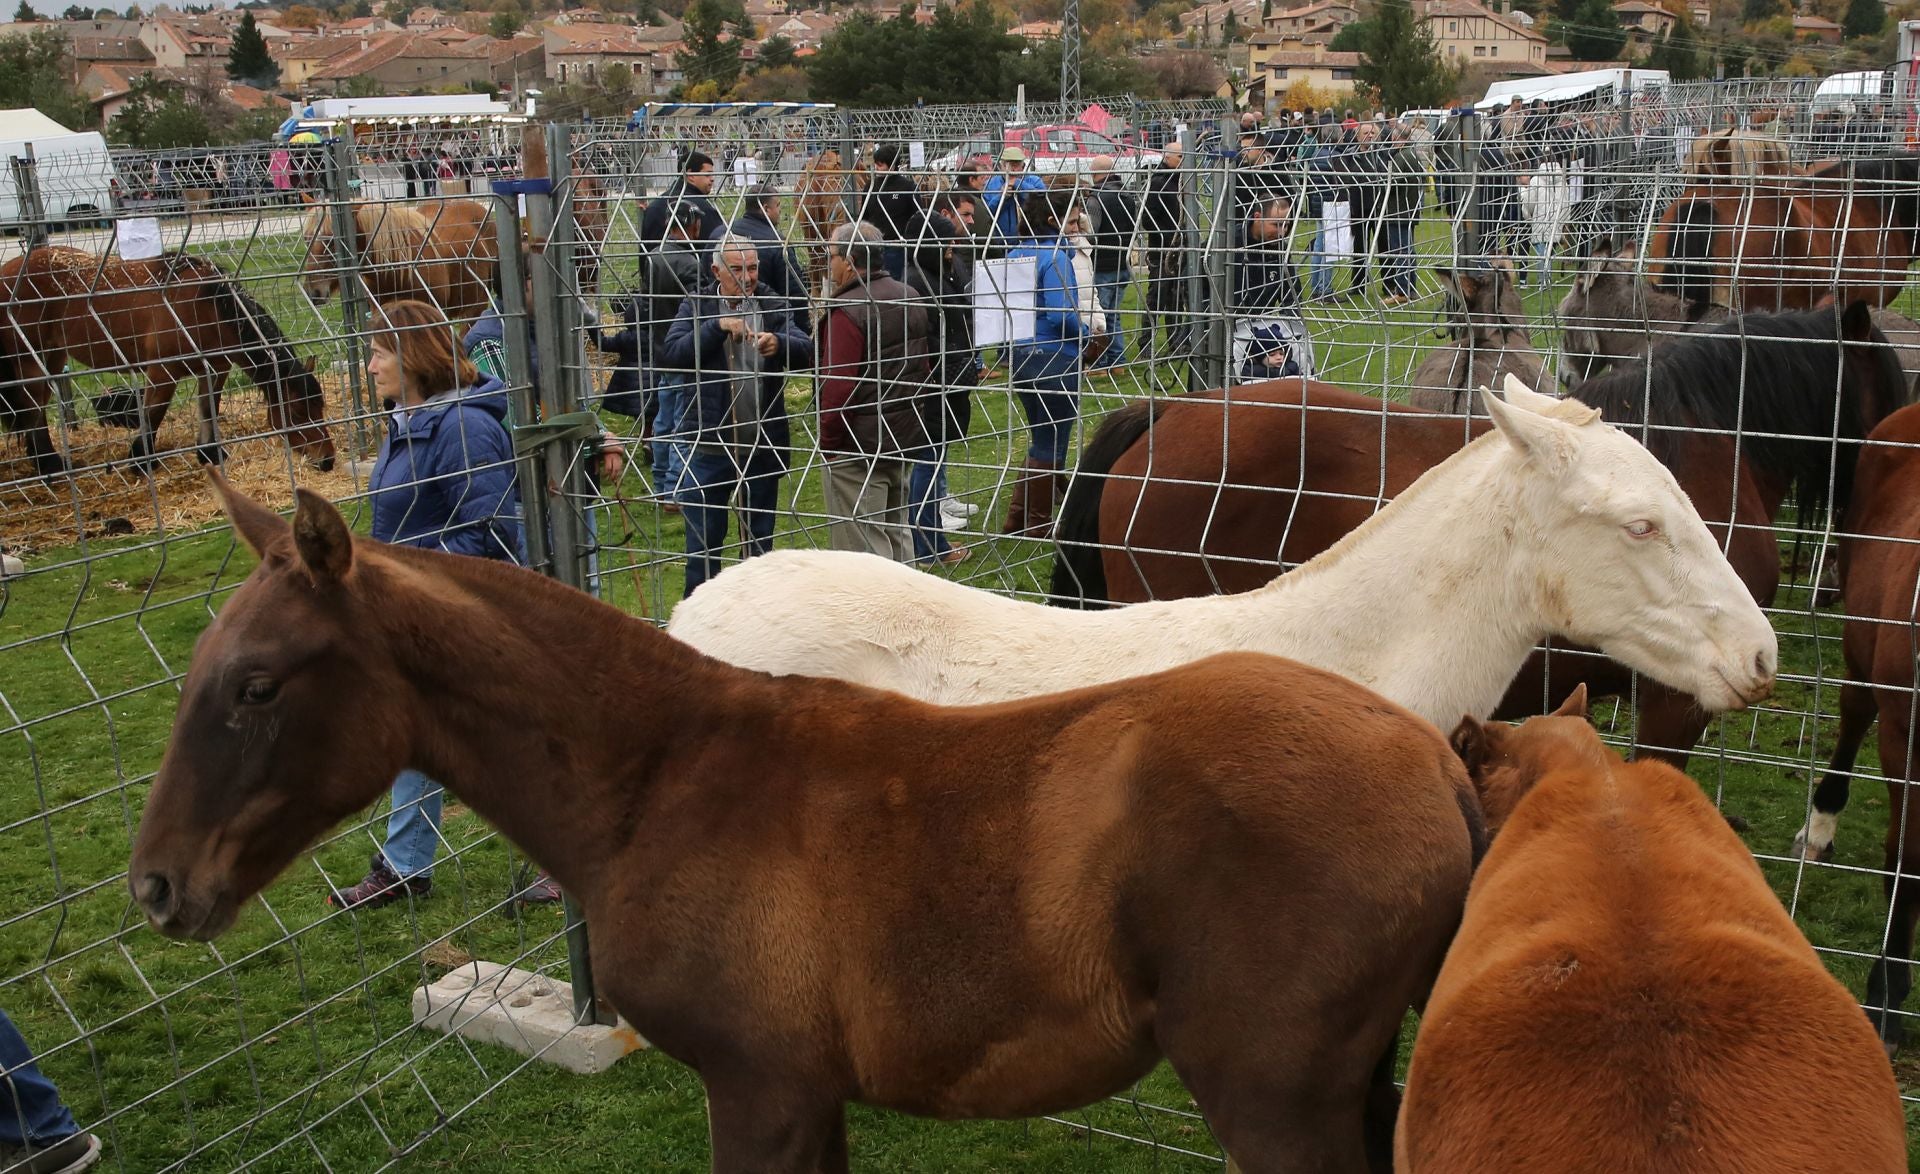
875, 395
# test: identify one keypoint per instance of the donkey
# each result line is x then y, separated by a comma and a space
1626, 992
814, 892
1489, 341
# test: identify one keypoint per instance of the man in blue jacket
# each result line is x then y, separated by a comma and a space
759, 222
734, 343
1004, 193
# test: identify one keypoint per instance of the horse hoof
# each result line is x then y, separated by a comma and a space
211, 454
1801, 851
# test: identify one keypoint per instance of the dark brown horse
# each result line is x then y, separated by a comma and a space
815, 892
1627, 993
1848, 229
1879, 557
1217, 492
174, 318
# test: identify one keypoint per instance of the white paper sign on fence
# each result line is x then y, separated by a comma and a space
916, 155
137, 239
1003, 300
1336, 224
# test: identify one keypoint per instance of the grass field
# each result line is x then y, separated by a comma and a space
289, 1046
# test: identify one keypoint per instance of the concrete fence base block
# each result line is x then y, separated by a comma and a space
519, 1009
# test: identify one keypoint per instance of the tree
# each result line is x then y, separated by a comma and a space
1351, 38
617, 79
1865, 18
1185, 74
34, 71
25, 13
248, 60
1679, 54
1752, 11
1591, 30
506, 21
75, 12
707, 55
776, 52
781, 83
1400, 62
301, 16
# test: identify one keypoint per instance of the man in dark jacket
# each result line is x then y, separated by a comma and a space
758, 222
875, 394
669, 275
692, 189
892, 205
1116, 214
731, 346
1163, 218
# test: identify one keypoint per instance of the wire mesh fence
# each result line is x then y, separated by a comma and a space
1158, 251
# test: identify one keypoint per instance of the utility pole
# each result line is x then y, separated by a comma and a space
1070, 53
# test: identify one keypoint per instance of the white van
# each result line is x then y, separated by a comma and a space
74, 171
1845, 91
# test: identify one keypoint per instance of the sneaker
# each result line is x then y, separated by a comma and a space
543, 891
953, 507
69, 1155
381, 886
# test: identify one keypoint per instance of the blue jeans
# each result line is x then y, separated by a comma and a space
669, 453
1396, 260
926, 488
31, 1110
413, 827
714, 475
1111, 288
1319, 265
1047, 380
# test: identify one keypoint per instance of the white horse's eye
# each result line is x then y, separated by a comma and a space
1642, 528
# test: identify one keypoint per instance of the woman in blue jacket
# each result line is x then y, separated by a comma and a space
1046, 367
443, 481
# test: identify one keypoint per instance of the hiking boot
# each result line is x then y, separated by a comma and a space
381, 886
69, 1155
543, 891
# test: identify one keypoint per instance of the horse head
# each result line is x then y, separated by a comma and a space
1505, 761
1615, 555
290, 717
319, 268
1604, 313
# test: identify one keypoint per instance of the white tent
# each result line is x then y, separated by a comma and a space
1563, 86
26, 125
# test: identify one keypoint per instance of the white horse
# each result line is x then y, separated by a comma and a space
1552, 524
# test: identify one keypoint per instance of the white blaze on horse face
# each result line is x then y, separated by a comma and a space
1621, 555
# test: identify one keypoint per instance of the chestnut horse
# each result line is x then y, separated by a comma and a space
1879, 568
815, 892
1771, 242
174, 317
1217, 492
820, 208
442, 252
1627, 993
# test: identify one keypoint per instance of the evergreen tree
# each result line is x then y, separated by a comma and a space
776, 52
25, 13
35, 70
1400, 62
1865, 18
1679, 54
1753, 11
1591, 30
505, 22
706, 57
248, 60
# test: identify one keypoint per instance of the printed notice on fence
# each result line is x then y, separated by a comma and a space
916, 155
137, 239
1003, 300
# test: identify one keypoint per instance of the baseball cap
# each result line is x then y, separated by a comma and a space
1013, 155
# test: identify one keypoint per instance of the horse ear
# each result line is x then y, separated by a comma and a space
1533, 434
1520, 395
1602, 249
259, 527
1628, 251
321, 536
1856, 325
1470, 740
1575, 705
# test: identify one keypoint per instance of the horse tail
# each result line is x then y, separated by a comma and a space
1079, 576
1690, 252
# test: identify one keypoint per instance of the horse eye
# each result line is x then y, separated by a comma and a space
259, 690
1641, 528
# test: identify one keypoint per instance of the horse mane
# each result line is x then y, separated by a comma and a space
397, 235
1771, 378
267, 355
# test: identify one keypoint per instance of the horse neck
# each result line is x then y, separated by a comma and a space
545, 711
1438, 576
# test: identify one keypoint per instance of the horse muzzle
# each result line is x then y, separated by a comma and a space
173, 912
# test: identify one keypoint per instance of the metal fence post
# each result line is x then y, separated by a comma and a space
1190, 237
558, 437
1469, 198
339, 177
1220, 241
520, 390
33, 211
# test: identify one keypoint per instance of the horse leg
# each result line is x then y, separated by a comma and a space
155, 398
23, 409
207, 411
1857, 709
1890, 979
759, 1126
